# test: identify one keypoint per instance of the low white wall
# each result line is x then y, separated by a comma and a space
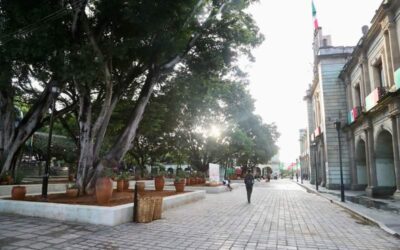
5, 190
109, 216
212, 190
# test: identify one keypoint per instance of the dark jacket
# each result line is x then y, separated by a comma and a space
249, 180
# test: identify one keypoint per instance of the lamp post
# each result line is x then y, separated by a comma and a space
338, 129
54, 92
314, 145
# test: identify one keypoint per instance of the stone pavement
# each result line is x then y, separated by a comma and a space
384, 212
282, 215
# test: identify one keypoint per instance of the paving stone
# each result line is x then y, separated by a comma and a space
281, 216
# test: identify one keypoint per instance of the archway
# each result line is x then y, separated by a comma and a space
385, 174
361, 163
258, 171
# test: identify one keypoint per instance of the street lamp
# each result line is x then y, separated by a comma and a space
54, 92
338, 129
314, 146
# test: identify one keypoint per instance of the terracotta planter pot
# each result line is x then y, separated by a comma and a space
126, 184
120, 185
159, 183
104, 189
72, 192
141, 186
18, 193
71, 177
179, 186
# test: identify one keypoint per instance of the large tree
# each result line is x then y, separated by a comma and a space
102, 52
32, 61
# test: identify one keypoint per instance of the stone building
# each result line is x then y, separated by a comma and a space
304, 157
325, 105
372, 81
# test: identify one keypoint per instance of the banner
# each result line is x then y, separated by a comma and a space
214, 172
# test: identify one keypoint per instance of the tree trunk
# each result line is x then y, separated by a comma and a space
86, 145
125, 139
27, 126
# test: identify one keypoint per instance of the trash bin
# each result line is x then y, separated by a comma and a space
157, 208
149, 209
145, 209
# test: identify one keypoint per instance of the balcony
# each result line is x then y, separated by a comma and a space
353, 114
372, 99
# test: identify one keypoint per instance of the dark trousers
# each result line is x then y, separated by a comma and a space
249, 190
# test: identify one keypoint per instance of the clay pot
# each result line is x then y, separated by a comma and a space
140, 186
159, 183
179, 186
126, 184
71, 177
72, 192
104, 189
120, 185
18, 193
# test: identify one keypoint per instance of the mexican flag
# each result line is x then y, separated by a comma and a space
314, 13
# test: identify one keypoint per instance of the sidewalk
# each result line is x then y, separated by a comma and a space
383, 212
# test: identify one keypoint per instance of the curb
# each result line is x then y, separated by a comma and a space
351, 210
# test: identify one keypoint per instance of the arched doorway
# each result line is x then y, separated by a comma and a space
385, 174
258, 171
361, 163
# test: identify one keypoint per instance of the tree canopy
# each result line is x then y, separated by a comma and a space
178, 60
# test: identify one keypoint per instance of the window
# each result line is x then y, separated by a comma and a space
357, 95
379, 73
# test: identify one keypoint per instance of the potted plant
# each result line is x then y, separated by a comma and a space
72, 190
71, 172
159, 181
6, 178
179, 182
18, 193
104, 186
123, 181
127, 175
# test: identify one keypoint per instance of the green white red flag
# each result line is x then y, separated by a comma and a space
314, 13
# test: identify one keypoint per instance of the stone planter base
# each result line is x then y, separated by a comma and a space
109, 216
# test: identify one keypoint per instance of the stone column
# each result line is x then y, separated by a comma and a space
366, 83
387, 60
396, 147
353, 167
394, 43
372, 180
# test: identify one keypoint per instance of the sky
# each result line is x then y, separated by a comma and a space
283, 68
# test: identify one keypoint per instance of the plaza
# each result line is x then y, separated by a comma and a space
282, 215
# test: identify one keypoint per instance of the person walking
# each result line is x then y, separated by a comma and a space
249, 182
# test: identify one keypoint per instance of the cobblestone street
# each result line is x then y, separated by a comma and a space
281, 216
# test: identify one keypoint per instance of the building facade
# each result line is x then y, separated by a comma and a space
304, 158
372, 81
325, 105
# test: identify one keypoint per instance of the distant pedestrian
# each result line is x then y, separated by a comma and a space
249, 182
227, 182
297, 177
